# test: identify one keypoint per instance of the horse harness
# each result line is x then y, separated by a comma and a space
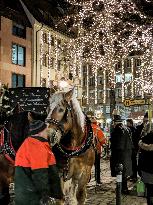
6, 147
64, 154
59, 124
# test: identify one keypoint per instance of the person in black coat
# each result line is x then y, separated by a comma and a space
146, 165
131, 126
121, 151
139, 130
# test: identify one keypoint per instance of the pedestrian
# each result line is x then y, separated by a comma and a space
121, 151
100, 140
146, 150
140, 128
131, 126
36, 176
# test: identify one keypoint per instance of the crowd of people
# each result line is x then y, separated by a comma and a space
132, 146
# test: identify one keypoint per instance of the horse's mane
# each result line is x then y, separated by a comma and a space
57, 99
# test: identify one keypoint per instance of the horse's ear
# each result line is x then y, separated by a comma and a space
68, 95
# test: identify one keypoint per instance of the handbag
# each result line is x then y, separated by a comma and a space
140, 187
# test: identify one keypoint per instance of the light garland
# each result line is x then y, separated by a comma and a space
41, 56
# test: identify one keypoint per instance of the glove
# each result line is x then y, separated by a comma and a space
47, 201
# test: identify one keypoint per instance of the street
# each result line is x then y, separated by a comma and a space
105, 193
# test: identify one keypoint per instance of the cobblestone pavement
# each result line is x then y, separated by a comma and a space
105, 193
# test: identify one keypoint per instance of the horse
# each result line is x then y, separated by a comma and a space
12, 134
74, 153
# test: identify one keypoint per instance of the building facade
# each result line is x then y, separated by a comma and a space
15, 47
130, 77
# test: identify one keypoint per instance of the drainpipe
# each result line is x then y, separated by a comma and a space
36, 52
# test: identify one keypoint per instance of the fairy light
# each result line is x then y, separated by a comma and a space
104, 93
115, 45
49, 58
132, 80
41, 57
96, 83
87, 84
123, 86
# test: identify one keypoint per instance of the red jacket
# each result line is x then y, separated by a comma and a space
99, 135
36, 174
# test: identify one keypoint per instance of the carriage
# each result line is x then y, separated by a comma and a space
71, 139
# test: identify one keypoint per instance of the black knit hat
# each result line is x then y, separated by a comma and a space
36, 126
117, 118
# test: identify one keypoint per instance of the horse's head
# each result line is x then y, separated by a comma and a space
59, 117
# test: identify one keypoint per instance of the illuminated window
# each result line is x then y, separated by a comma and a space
18, 54
128, 77
118, 78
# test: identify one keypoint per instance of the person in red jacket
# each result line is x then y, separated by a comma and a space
100, 141
36, 176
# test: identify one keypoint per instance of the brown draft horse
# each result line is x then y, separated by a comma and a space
74, 153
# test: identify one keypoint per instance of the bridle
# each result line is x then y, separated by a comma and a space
59, 123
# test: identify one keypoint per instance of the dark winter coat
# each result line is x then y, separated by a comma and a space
146, 153
36, 175
121, 150
134, 137
138, 132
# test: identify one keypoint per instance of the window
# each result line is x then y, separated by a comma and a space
45, 38
19, 30
91, 94
92, 81
84, 69
100, 80
118, 78
118, 66
127, 63
18, 55
84, 81
137, 62
107, 109
52, 40
128, 77
90, 70
118, 92
100, 94
58, 64
18, 80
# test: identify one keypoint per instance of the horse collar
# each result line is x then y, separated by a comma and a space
76, 151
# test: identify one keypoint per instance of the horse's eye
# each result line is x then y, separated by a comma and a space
61, 110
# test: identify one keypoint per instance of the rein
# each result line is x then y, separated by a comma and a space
78, 150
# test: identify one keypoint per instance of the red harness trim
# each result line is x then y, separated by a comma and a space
74, 148
2, 137
2, 143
